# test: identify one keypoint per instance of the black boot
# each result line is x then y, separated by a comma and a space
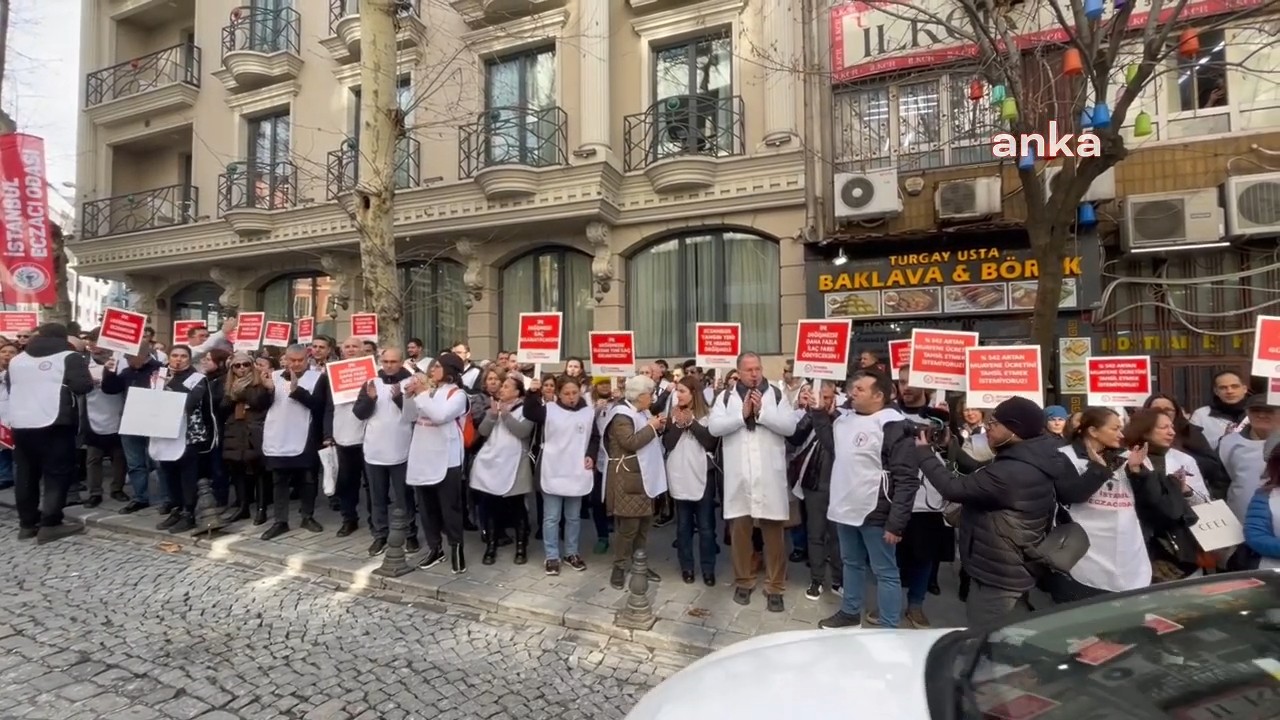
264, 499
490, 543
457, 559
522, 537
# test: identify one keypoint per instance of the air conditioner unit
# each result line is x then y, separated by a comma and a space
1253, 205
1102, 188
968, 199
1172, 221
859, 196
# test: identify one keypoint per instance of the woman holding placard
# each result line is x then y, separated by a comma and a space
179, 457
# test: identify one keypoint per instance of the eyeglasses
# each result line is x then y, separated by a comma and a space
992, 422
241, 365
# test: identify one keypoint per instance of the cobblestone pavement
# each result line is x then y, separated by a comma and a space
106, 629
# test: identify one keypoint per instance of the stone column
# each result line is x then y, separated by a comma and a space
606, 282
483, 308
593, 81
782, 67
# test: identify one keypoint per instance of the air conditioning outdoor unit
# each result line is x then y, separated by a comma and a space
1253, 205
970, 199
861, 196
1162, 222
1101, 189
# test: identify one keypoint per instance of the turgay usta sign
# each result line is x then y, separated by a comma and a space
873, 38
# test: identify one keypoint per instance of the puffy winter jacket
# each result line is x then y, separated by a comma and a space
1008, 506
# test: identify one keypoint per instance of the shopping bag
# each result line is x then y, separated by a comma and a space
329, 464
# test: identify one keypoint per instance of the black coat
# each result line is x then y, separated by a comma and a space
900, 462
1008, 506
811, 467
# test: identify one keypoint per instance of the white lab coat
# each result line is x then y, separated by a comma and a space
755, 462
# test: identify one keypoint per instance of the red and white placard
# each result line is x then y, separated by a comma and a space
364, 326
822, 349
613, 354
939, 359
16, 321
1273, 391
999, 372
540, 338
249, 329
1119, 381
277, 334
306, 330
718, 345
182, 329
347, 378
1266, 347
122, 330
899, 355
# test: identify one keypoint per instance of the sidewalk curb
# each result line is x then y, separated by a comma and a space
357, 576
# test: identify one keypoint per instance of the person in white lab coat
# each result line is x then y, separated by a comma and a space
438, 406
387, 435
289, 439
754, 420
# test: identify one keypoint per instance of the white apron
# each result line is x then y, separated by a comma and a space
653, 470
287, 427
1270, 563
172, 449
687, 468
566, 434
1117, 559
858, 477
387, 433
495, 465
436, 445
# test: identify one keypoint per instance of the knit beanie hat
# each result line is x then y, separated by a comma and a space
1023, 417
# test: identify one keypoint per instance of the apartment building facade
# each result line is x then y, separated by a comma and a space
632, 164
929, 226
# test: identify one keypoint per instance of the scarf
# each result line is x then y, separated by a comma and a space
743, 391
1232, 411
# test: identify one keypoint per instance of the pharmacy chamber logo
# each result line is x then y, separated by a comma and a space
1055, 144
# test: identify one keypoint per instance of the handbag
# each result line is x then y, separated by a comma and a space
1060, 548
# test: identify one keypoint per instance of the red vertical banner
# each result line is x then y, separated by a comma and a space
27, 267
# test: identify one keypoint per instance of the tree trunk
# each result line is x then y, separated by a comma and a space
61, 312
1049, 248
380, 129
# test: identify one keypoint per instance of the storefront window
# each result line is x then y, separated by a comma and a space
550, 280
718, 276
435, 308
290, 297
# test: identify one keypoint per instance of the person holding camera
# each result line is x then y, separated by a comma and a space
874, 480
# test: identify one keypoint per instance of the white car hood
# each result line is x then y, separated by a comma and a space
811, 673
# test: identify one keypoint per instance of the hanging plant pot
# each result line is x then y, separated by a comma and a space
1072, 64
1189, 43
976, 90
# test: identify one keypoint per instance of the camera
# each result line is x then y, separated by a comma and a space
934, 431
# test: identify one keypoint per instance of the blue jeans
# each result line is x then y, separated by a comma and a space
6, 468
860, 546
704, 513
553, 507
138, 466
799, 538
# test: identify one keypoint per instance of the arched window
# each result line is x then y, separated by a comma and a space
555, 279
198, 301
435, 309
709, 276
299, 295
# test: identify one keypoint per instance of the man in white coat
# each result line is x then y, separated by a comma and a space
754, 421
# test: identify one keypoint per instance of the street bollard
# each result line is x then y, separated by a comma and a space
393, 561
637, 614
208, 517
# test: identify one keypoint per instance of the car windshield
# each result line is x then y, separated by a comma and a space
1201, 650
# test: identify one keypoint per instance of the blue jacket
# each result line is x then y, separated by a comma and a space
1259, 533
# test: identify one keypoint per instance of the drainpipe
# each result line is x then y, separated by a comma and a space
812, 144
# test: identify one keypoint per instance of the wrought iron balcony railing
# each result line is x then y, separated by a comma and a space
343, 167
684, 125
258, 186
142, 210
339, 9
178, 64
262, 30
513, 136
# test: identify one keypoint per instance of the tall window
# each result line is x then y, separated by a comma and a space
290, 297
519, 90
717, 276
692, 92
918, 124
1202, 79
553, 280
269, 141
269, 30
434, 304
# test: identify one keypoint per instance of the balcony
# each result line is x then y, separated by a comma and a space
505, 150
144, 86
343, 167
343, 42
249, 192
260, 47
145, 210
679, 139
